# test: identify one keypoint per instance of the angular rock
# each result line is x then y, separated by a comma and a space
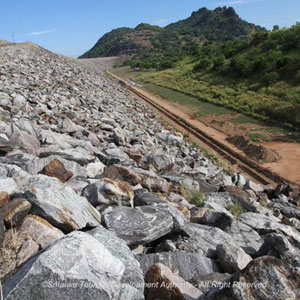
147, 179
119, 136
160, 162
189, 265
40, 231
245, 237
133, 273
165, 246
179, 182
57, 169
28, 249
93, 170
164, 284
36, 166
59, 204
75, 267
2, 229
19, 101
277, 245
139, 225
202, 239
8, 185
15, 211
232, 258
68, 126
109, 192
25, 141
212, 215
264, 224
4, 197
257, 281
223, 199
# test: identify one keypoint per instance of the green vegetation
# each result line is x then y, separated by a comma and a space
236, 209
197, 198
160, 48
258, 76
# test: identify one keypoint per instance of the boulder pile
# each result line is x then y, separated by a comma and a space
101, 200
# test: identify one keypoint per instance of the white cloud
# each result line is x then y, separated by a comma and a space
160, 22
42, 32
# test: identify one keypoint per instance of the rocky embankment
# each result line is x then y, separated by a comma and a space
100, 200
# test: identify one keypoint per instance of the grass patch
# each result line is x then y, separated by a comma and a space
197, 198
236, 209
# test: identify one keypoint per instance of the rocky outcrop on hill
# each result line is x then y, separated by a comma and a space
100, 200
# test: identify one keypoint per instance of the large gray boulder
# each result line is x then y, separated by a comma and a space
76, 267
59, 204
264, 224
245, 237
189, 265
139, 225
133, 274
232, 258
203, 239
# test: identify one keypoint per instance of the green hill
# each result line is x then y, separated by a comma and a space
175, 39
259, 76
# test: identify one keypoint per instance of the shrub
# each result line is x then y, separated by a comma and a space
197, 198
236, 209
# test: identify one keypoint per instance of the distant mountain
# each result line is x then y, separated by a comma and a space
220, 24
124, 40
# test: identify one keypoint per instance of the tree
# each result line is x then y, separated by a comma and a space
275, 27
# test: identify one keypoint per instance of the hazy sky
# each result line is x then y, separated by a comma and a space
71, 27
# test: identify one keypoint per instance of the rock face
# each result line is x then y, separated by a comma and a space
77, 266
139, 225
163, 284
60, 205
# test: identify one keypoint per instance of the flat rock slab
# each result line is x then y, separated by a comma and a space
139, 225
59, 204
189, 265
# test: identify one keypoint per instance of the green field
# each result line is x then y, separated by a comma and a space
153, 81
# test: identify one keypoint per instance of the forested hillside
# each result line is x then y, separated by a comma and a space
174, 40
259, 76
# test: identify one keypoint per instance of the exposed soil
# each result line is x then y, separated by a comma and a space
286, 165
255, 151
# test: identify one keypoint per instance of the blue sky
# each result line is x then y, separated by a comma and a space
71, 27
